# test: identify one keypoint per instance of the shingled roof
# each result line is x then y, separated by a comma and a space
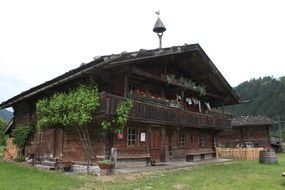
182, 55
251, 121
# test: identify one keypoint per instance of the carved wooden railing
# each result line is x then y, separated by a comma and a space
159, 114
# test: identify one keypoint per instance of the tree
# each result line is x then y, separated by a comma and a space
2, 127
267, 97
68, 109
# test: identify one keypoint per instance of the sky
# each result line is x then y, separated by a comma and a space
40, 40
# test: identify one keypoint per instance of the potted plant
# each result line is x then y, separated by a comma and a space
105, 164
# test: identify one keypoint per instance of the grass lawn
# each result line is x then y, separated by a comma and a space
18, 177
1, 151
240, 175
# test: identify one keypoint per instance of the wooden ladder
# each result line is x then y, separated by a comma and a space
85, 139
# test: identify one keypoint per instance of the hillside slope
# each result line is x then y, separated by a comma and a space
6, 115
267, 95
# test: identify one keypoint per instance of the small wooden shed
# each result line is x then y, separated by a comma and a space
247, 131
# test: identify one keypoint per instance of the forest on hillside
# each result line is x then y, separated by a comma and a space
267, 98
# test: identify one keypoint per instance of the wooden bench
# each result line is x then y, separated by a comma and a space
190, 156
134, 157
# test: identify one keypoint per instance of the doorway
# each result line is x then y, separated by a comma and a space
57, 139
156, 144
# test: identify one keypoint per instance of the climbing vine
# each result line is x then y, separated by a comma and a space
21, 136
71, 108
2, 135
122, 115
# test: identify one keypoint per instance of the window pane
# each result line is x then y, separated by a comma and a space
131, 140
182, 139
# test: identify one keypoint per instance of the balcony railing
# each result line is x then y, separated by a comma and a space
159, 114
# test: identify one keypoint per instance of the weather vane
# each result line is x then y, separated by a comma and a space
159, 28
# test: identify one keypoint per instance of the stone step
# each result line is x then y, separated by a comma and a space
48, 163
44, 167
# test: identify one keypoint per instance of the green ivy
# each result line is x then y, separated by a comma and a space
71, 108
21, 136
123, 110
2, 127
122, 115
106, 125
20, 158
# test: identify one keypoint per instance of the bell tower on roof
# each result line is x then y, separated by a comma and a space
159, 28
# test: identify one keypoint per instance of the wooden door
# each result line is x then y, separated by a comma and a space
155, 144
56, 143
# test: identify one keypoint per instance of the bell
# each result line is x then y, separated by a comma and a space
159, 26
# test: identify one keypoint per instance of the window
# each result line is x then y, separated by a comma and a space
182, 139
131, 137
132, 88
40, 137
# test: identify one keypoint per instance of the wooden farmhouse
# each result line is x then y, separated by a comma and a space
250, 131
171, 119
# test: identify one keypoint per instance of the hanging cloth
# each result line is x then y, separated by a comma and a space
189, 101
208, 105
178, 97
195, 101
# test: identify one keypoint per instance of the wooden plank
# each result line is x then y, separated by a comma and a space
126, 85
239, 153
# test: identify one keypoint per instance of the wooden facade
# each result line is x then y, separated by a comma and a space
253, 129
168, 120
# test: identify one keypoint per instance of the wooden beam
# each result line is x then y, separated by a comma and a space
126, 85
124, 70
154, 77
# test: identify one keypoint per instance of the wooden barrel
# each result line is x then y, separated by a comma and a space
267, 157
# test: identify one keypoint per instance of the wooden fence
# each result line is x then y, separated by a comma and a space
239, 153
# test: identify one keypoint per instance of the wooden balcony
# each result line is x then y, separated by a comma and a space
159, 114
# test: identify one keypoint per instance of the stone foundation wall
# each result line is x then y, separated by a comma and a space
83, 169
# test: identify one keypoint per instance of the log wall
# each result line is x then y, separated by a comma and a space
140, 148
259, 135
192, 143
22, 113
73, 149
42, 144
